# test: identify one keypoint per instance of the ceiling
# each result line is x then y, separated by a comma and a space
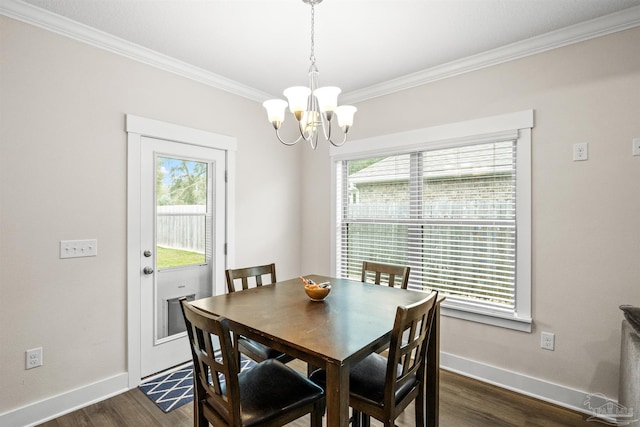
259, 47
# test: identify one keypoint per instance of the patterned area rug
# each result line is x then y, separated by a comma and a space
174, 389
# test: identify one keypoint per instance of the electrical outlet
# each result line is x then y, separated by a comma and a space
581, 151
636, 147
33, 358
547, 340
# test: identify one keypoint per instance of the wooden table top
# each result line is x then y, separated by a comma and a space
353, 320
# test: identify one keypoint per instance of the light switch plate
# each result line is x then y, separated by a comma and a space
78, 248
636, 147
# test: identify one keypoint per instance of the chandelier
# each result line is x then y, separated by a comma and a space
313, 106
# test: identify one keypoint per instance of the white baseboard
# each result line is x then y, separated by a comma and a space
573, 399
53, 407
576, 400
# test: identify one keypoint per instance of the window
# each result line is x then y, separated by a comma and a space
182, 220
456, 210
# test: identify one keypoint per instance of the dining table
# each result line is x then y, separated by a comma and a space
353, 321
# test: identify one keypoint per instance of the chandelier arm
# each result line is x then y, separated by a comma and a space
327, 133
308, 136
330, 126
313, 140
338, 144
287, 143
325, 124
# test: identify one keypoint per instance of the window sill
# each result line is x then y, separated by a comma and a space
503, 320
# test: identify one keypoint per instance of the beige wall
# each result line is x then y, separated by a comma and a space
586, 240
63, 176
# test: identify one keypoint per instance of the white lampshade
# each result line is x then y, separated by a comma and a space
297, 96
327, 97
345, 115
275, 109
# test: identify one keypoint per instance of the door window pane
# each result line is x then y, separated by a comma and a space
181, 199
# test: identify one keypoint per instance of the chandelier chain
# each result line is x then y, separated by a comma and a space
312, 57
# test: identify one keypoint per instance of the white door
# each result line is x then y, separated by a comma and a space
182, 226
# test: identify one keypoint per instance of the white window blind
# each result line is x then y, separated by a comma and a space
453, 202
450, 214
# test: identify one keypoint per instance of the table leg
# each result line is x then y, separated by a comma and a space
432, 391
337, 395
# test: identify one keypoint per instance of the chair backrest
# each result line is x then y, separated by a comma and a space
243, 274
408, 347
394, 274
216, 371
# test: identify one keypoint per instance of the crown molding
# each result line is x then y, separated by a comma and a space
619, 21
58, 24
609, 24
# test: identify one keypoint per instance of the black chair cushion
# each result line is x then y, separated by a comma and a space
366, 380
251, 347
271, 387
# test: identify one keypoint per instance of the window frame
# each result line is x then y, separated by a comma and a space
447, 136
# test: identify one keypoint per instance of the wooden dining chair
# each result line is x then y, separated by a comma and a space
258, 274
394, 275
268, 394
382, 387
242, 275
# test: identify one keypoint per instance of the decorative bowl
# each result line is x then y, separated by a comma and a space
317, 292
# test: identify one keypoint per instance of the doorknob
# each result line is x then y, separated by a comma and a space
147, 253
147, 270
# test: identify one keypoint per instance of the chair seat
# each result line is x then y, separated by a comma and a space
260, 351
270, 388
367, 380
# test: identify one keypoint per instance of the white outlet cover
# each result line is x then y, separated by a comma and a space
547, 341
581, 151
33, 358
635, 150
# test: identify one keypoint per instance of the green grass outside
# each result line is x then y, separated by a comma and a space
167, 258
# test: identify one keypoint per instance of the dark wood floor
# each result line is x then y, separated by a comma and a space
464, 402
